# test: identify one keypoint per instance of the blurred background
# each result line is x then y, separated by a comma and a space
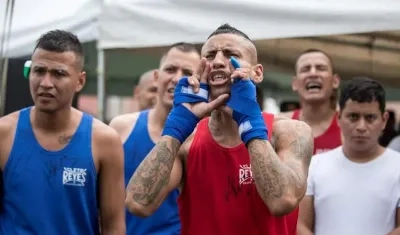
124, 39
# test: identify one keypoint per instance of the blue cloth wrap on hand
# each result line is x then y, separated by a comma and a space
246, 110
181, 121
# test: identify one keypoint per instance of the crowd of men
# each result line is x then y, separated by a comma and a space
200, 156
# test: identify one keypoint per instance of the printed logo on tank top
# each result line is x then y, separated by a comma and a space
74, 176
245, 174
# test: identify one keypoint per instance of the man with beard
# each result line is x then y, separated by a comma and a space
240, 171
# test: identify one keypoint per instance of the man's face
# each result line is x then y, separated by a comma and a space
146, 92
217, 50
361, 125
54, 79
175, 65
314, 79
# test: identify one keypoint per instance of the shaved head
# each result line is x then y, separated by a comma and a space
145, 77
146, 90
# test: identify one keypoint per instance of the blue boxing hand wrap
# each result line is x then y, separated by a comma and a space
185, 94
246, 111
181, 121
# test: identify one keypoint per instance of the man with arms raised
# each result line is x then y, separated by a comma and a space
233, 179
53, 156
355, 189
145, 92
139, 132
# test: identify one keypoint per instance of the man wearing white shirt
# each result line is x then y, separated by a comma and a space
355, 189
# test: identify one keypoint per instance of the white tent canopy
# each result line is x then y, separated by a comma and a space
31, 18
148, 23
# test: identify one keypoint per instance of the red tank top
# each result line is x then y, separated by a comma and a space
219, 196
329, 140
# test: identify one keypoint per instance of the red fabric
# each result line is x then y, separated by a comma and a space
219, 196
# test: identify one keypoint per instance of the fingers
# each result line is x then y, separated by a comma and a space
222, 99
241, 74
234, 62
201, 75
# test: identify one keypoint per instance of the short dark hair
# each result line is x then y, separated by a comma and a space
61, 41
363, 90
227, 29
181, 46
314, 50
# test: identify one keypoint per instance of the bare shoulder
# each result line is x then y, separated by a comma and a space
121, 122
8, 126
185, 147
286, 123
102, 133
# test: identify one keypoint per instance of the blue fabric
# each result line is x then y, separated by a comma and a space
165, 221
50, 192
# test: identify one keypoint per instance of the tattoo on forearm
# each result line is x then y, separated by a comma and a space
65, 139
153, 173
273, 176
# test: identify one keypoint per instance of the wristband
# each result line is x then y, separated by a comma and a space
180, 123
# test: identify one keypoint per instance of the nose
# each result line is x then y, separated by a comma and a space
219, 61
177, 76
361, 125
46, 81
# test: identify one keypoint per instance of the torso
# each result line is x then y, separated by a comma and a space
138, 142
219, 195
49, 188
355, 198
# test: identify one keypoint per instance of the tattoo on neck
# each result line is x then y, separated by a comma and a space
64, 139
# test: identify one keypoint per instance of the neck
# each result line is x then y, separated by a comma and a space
221, 124
54, 122
363, 156
316, 113
158, 115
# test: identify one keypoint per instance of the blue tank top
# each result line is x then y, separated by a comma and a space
165, 221
50, 192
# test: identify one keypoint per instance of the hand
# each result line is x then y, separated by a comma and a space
202, 109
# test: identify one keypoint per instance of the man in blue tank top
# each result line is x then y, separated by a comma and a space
139, 131
54, 157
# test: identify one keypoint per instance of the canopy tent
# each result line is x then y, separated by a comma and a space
149, 23
31, 18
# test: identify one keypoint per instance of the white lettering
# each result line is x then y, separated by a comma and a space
74, 176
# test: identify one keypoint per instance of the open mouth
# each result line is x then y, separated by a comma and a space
313, 86
218, 78
171, 90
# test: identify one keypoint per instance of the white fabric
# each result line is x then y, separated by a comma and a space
32, 18
147, 23
353, 198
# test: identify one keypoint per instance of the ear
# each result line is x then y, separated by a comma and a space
136, 91
295, 83
81, 81
155, 75
258, 73
336, 81
385, 118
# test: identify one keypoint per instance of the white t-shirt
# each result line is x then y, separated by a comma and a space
354, 198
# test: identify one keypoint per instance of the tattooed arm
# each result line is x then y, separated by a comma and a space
158, 174
280, 174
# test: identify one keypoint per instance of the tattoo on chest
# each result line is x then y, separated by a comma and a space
65, 139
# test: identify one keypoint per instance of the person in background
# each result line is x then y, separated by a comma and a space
260, 97
141, 130
145, 92
355, 188
389, 132
316, 84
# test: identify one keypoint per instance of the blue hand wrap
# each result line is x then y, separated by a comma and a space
181, 122
246, 111
185, 94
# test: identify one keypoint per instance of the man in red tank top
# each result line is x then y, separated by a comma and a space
230, 183
317, 84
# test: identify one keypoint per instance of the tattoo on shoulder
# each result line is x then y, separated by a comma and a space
65, 139
153, 174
